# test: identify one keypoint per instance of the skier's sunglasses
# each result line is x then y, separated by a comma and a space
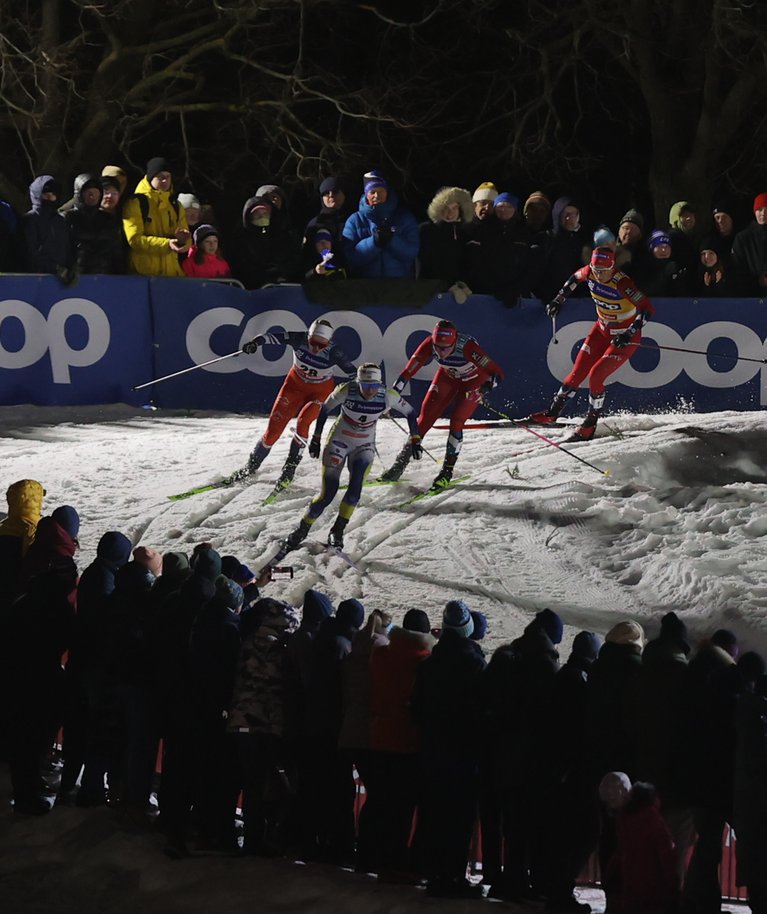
369, 386
318, 344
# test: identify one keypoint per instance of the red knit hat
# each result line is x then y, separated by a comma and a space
760, 201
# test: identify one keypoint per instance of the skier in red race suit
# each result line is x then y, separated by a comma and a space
621, 313
464, 375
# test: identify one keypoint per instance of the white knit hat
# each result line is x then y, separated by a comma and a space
485, 191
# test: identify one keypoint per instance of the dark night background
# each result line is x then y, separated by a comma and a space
623, 104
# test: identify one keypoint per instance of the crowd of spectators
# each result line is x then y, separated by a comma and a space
629, 748
484, 241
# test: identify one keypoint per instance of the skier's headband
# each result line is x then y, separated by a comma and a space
603, 259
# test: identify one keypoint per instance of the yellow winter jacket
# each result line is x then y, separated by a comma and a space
148, 240
25, 505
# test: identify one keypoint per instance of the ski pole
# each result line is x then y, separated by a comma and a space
408, 434
184, 370
554, 329
714, 355
544, 438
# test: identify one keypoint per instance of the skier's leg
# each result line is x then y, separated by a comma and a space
359, 466
610, 361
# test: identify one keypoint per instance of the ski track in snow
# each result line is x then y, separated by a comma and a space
679, 523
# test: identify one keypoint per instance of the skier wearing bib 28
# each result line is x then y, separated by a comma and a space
363, 401
621, 313
464, 375
308, 383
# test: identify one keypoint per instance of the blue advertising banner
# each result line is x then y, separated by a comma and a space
93, 343
73, 345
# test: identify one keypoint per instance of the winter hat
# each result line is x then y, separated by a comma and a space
416, 620
233, 568
751, 666
658, 237
323, 235
673, 629
174, 564
68, 519
486, 191
330, 184
114, 171
109, 181
586, 645
538, 197
760, 201
204, 231
626, 633
133, 578
229, 592
614, 789
635, 217
373, 183
711, 242
603, 258
156, 165
206, 563
150, 558
506, 198
456, 617
726, 639
351, 612
317, 607
188, 201
372, 175
114, 547
603, 237
480, 625
674, 215
724, 205
550, 622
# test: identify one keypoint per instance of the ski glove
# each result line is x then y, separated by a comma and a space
416, 447
250, 347
399, 384
627, 336
554, 306
314, 447
382, 236
490, 384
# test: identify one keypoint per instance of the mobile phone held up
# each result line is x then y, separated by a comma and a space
282, 571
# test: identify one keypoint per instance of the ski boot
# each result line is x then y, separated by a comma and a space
442, 479
257, 457
336, 535
289, 469
585, 431
398, 467
551, 415
294, 540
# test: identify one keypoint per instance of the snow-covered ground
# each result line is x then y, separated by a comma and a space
676, 519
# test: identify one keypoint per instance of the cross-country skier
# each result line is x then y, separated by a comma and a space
308, 383
621, 313
464, 375
363, 401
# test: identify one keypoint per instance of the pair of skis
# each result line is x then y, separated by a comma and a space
228, 481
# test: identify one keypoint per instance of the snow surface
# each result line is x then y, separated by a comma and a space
679, 523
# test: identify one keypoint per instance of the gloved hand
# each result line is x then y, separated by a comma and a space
491, 383
314, 447
416, 447
250, 347
623, 339
399, 384
382, 235
554, 306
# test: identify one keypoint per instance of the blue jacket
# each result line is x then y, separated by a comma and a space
367, 260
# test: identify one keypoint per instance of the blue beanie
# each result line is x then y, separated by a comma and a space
550, 622
480, 625
229, 592
507, 198
68, 519
373, 183
316, 607
586, 645
456, 617
351, 612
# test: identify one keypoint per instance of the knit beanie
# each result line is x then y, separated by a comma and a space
149, 558
480, 625
317, 606
233, 568
204, 231
456, 617
114, 171
206, 563
330, 184
658, 237
68, 519
550, 622
416, 620
586, 645
174, 564
726, 639
351, 612
188, 201
538, 197
229, 592
109, 181
114, 547
635, 217
627, 632
506, 198
155, 166
673, 629
760, 201
486, 191
373, 183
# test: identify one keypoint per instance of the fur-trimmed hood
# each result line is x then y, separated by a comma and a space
447, 195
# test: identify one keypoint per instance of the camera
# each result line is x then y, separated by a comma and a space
282, 571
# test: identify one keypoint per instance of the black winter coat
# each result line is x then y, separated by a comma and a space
47, 237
